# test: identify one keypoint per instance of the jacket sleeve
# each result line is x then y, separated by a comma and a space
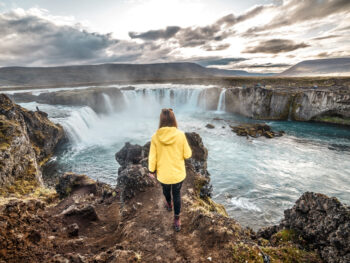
187, 149
152, 157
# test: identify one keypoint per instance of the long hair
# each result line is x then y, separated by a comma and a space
167, 118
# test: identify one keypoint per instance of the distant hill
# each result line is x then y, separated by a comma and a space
319, 67
107, 73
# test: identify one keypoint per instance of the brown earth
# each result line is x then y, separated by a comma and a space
92, 223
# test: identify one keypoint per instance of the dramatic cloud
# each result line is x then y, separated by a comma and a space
167, 33
264, 38
296, 11
28, 39
216, 48
326, 37
275, 46
202, 36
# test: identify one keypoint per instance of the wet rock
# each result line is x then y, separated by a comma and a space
210, 126
73, 230
255, 130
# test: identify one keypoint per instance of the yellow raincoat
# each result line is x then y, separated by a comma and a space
169, 148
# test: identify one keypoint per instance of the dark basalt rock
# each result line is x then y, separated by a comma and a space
132, 154
133, 160
209, 126
323, 222
73, 230
83, 214
80, 184
133, 179
71, 182
256, 130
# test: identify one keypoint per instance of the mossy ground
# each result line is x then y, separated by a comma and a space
333, 120
252, 253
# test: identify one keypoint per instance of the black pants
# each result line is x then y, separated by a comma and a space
175, 190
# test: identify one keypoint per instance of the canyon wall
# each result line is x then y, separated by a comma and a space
323, 104
300, 104
27, 140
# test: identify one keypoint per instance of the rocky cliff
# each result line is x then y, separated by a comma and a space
93, 222
101, 100
27, 140
331, 104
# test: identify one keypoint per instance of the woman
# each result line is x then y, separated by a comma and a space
169, 148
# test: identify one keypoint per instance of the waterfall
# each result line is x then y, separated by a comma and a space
178, 98
79, 122
222, 101
108, 103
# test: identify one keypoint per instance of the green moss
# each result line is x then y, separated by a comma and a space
290, 254
333, 119
4, 146
285, 236
211, 206
243, 253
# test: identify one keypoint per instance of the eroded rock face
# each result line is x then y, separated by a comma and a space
301, 104
99, 99
132, 154
27, 140
323, 222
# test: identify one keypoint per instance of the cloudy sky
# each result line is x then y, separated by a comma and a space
253, 35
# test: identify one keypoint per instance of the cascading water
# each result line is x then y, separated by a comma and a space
255, 179
222, 101
78, 124
108, 103
177, 98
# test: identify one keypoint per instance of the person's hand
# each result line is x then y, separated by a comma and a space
151, 175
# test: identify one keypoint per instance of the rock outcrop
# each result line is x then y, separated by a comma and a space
101, 100
323, 222
27, 140
93, 223
255, 130
331, 104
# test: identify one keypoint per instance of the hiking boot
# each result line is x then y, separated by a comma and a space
177, 223
168, 206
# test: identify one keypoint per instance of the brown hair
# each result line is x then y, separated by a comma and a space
167, 118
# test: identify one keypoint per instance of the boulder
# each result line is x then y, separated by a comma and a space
132, 154
71, 183
83, 214
323, 222
210, 126
255, 130
133, 179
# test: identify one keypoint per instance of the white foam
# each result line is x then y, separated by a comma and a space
244, 203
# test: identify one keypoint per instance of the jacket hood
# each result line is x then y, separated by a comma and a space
167, 135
